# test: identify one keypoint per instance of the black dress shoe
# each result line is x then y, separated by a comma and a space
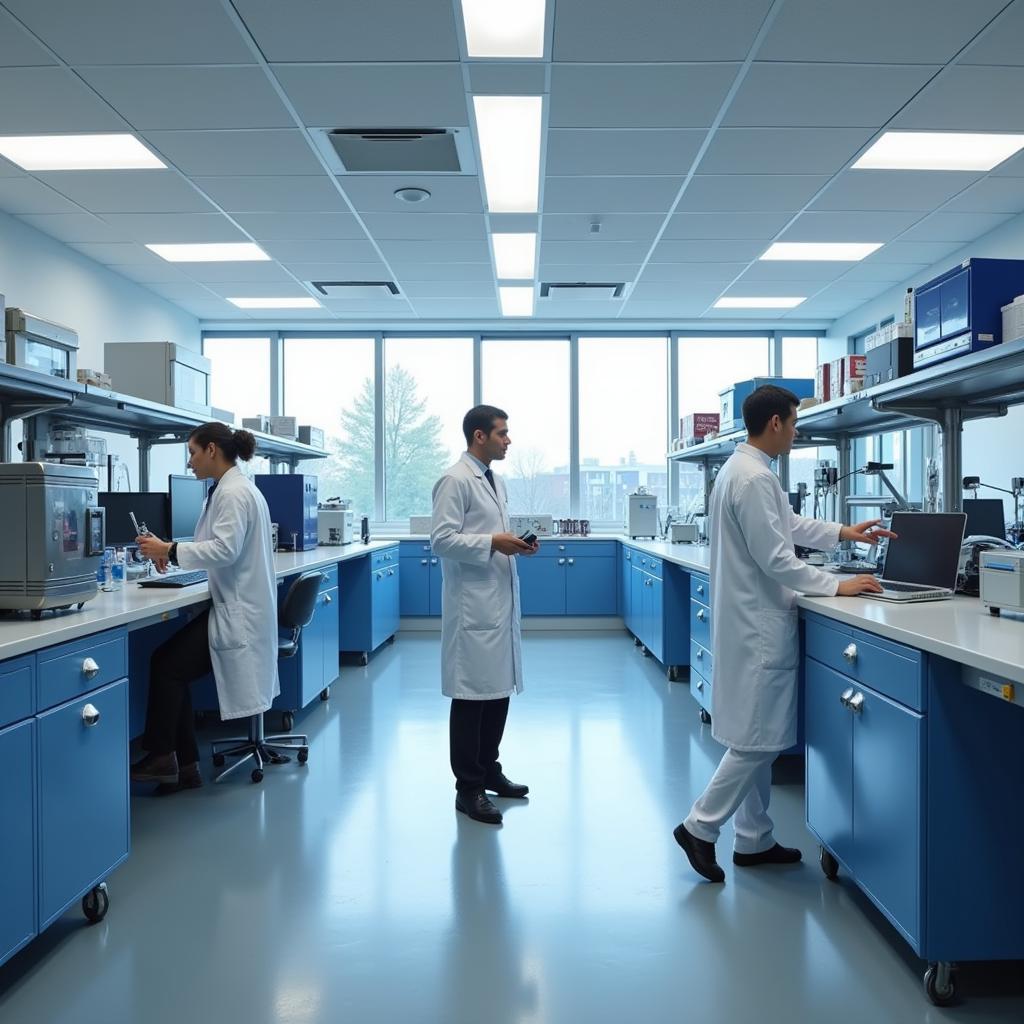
162, 768
501, 786
477, 805
700, 853
776, 855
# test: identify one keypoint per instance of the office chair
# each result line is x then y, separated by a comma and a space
295, 613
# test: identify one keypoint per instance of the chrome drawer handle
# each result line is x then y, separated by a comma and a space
433, 561
700, 615
426, 547
90, 715
844, 697
561, 547
850, 654
90, 668
561, 561
700, 655
856, 703
327, 599
628, 558
423, 561
391, 572
569, 561
700, 588
700, 684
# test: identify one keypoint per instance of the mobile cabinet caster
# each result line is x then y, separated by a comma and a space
257, 775
303, 755
287, 721
940, 984
364, 658
325, 693
829, 865
705, 718
636, 641
96, 903
673, 673
218, 760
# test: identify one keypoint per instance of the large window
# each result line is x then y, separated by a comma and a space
329, 383
800, 359
529, 379
428, 388
623, 427
239, 375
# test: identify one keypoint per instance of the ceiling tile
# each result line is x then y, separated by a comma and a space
909, 32
1000, 44
849, 226
991, 195
313, 250
120, 253
260, 290
311, 30
746, 287
18, 49
824, 95
710, 250
404, 251
174, 227
574, 272
75, 227
460, 309
449, 289
945, 226
377, 96
893, 190
719, 226
449, 227
883, 272
236, 153
974, 99
691, 273
26, 195
9, 170
448, 194
578, 309
638, 96
230, 271
492, 78
419, 271
728, 192
621, 151
354, 271
705, 292
150, 273
135, 31
782, 150
128, 191
615, 227
1012, 168
299, 226
651, 30
796, 270
51, 100
609, 195
272, 194
190, 97
912, 252
593, 253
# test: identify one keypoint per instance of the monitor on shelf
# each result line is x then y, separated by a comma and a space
185, 495
150, 508
985, 517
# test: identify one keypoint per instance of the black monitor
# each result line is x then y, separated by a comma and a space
795, 501
186, 495
926, 548
150, 508
985, 518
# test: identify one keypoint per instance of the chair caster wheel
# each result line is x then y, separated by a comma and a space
829, 865
96, 903
257, 775
218, 760
303, 755
705, 718
288, 721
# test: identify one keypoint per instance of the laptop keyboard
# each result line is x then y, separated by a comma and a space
176, 579
906, 588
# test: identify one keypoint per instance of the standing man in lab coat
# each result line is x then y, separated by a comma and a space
755, 578
481, 658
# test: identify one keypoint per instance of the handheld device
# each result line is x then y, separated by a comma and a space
528, 537
140, 530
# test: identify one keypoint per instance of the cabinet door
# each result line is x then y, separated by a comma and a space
83, 796
310, 658
625, 584
636, 601
829, 767
655, 618
541, 585
327, 613
436, 580
414, 589
17, 851
590, 586
887, 826
394, 605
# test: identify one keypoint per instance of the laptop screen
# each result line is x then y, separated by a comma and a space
927, 548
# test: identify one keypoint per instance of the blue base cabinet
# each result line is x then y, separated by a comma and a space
701, 661
657, 608
570, 578
370, 609
419, 580
18, 849
314, 667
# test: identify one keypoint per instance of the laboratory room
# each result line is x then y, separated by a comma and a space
513, 511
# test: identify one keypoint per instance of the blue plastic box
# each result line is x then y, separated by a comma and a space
732, 398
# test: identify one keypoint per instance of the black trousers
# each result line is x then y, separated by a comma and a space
175, 665
475, 728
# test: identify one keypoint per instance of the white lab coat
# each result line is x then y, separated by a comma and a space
755, 575
232, 543
481, 655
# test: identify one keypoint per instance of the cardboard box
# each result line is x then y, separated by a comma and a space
822, 385
260, 423
284, 426
843, 372
313, 436
695, 426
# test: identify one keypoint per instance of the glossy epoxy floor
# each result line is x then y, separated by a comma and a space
352, 891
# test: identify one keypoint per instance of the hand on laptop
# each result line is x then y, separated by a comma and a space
869, 532
859, 585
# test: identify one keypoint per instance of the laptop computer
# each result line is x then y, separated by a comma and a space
921, 563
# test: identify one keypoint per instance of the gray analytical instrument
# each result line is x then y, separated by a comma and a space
1002, 580
643, 515
55, 535
335, 523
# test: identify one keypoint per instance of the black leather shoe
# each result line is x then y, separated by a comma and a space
776, 855
478, 806
162, 768
501, 786
700, 853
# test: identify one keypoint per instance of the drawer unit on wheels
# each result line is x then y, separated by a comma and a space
909, 778
369, 599
310, 673
701, 677
657, 604
419, 579
570, 578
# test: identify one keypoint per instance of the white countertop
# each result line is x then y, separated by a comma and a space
137, 606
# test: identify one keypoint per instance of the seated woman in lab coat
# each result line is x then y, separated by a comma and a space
237, 635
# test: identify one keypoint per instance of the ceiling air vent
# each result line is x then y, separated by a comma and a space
356, 289
412, 150
580, 291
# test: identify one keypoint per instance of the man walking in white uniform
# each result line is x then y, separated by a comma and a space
755, 577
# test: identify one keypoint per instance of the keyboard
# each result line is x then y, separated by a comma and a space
906, 588
174, 579
857, 567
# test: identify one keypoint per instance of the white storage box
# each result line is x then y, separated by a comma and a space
1013, 320
284, 426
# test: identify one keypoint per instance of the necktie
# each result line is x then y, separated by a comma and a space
490, 480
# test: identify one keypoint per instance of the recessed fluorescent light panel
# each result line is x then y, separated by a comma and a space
78, 153
504, 28
763, 302
210, 252
294, 303
516, 300
939, 151
846, 251
508, 130
514, 256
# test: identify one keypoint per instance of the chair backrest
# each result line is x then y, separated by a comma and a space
299, 603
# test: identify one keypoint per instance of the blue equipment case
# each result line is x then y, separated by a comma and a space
292, 499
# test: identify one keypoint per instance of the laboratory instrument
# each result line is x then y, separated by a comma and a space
336, 522
1002, 580
41, 345
643, 515
162, 372
292, 500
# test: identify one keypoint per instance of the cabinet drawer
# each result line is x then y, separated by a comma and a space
890, 668
700, 690
387, 556
554, 548
648, 563
72, 669
701, 661
700, 624
330, 580
414, 548
17, 696
700, 588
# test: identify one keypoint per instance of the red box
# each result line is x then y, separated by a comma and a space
697, 425
821, 382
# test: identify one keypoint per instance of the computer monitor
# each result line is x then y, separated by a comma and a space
926, 548
985, 517
150, 508
795, 501
186, 495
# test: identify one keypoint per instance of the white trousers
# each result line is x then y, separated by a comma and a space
741, 785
